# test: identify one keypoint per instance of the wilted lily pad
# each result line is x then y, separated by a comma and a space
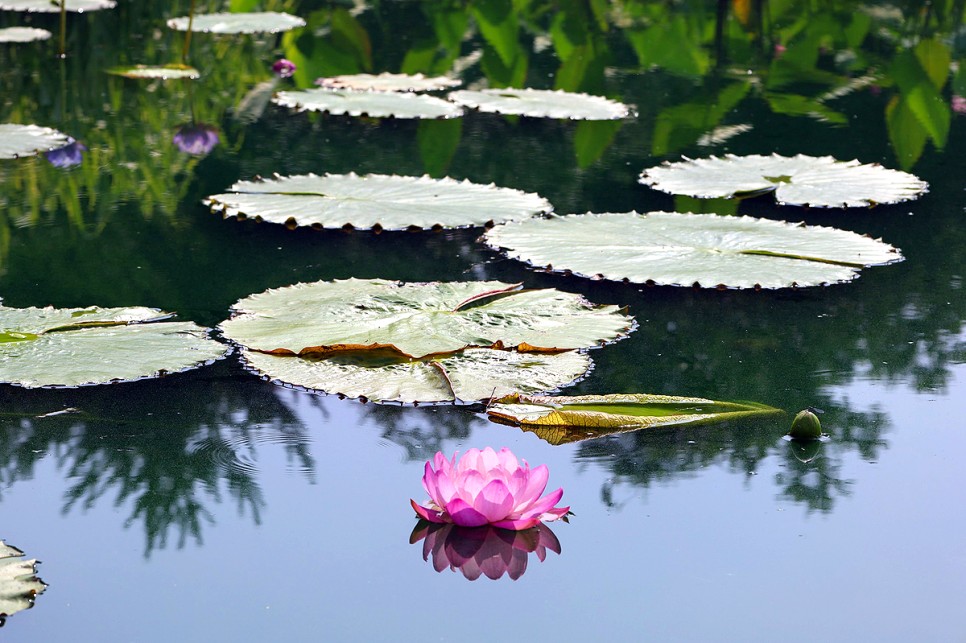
818, 181
562, 419
366, 103
387, 82
419, 319
159, 72
53, 6
469, 375
235, 23
708, 250
376, 201
27, 140
49, 347
542, 103
23, 34
19, 584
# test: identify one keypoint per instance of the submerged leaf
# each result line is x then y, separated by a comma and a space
542, 103
708, 250
387, 82
561, 419
419, 319
160, 72
236, 23
48, 347
819, 181
23, 34
366, 103
376, 200
27, 140
19, 584
53, 6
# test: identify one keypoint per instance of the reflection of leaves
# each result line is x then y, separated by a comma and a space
19, 584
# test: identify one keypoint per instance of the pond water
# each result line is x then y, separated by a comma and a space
212, 505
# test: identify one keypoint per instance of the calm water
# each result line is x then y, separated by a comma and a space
214, 506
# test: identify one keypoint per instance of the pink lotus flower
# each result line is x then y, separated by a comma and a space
488, 488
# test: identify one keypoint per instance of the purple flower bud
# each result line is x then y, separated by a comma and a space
68, 156
284, 68
959, 104
196, 139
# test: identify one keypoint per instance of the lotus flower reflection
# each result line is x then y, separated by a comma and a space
196, 139
488, 488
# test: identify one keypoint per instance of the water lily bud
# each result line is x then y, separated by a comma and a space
806, 426
284, 68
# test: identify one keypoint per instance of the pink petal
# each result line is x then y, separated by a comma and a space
489, 459
518, 565
430, 484
471, 461
544, 505
536, 483
494, 501
445, 488
432, 515
469, 484
517, 524
555, 514
508, 461
464, 515
517, 483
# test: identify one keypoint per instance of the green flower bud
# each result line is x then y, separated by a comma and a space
806, 426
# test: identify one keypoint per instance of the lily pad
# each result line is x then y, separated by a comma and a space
419, 319
159, 72
48, 347
365, 103
53, 6
666, 248
19, 585
560, 420
27, 140
387, 82
23, 34
465, 376
236, 23
818, 181
542, 103
376, 201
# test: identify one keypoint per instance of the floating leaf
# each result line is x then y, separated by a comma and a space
419, 319
560, 420
542, 103
48, 347
387, 82
160, 72
818, 181
376, 201
236, 23
364, 103
19, 584
469, 375
53, 6
23, 34
673, 249
27, 140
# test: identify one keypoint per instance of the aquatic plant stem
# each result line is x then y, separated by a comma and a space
63, 29
187, 35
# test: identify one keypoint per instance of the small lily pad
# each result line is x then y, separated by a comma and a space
818, 181
465, 376
159, 72
28, 140
49, 347
366, 103
666, 248
237, 23
23, 34
562, 419
19, 585
387, 82
53, 6
542, 103
376, 201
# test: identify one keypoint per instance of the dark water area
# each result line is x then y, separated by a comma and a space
212, 505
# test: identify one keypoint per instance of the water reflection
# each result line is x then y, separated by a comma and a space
19, 584
68, 156
483, 551
196, 139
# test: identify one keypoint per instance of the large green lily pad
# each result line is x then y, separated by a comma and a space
704, 250
27, 140
387, 82
19, 585
541, 103
376, 201
368, 103
419, 319
466, 376
23, 34
799, 180
48, 347
237, 23
563, 419
53, 6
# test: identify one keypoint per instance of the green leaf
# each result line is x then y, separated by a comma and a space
670, 46
541, 103
19, 585
562, 419
934, 57
906, 133
437, 141
364, 103
931, 111
236, 23
796, 105
682, 125
592, 138
498, 25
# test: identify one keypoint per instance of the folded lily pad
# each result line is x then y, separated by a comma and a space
53, 6
23, 34
366, 103
562, 419
19, 585
465, 376
818, 181
159, 72
387, 82
27, 140
419, 319
542, 103
236, 23
704, 250
48, 347
376, 201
